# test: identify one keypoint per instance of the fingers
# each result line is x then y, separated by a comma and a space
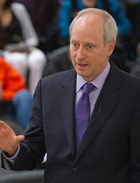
4, 125
8, 135
6, 130
9, 130
9, 141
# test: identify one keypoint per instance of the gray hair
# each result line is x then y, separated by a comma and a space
110, 26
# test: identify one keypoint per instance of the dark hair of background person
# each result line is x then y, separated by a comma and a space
8, 3
2, 33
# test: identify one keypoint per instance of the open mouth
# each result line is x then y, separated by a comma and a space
81, 66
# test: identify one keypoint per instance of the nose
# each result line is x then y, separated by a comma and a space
80, 54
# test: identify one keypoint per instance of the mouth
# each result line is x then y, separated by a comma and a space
81, 66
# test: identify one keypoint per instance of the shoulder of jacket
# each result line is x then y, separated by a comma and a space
60, 75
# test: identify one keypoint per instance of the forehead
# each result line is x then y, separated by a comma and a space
89, 21
88, 27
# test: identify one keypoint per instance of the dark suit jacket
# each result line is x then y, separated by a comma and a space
110, 148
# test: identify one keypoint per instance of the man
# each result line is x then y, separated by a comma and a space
109, 150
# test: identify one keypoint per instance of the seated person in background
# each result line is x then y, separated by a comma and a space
12, 88
58, 60
44, 16
19, 40
133, 13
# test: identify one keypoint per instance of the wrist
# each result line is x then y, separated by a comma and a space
11, 153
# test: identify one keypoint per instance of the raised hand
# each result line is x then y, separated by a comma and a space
8, 140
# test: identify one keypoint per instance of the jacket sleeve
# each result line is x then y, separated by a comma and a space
28, 30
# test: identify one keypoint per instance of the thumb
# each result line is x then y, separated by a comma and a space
20, 138
15, 144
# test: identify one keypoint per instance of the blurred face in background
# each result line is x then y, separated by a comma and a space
2, 2
89, 3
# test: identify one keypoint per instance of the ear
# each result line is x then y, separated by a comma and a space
111, 47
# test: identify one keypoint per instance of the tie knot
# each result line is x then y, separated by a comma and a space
88, 87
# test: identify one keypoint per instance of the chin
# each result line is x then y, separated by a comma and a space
82, 73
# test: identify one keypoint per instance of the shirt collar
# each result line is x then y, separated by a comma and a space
97, 82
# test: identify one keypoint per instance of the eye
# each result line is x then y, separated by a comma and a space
89, 46
75, 44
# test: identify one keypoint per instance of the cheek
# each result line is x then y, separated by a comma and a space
72, 55
72, 59
94, 61
73, 63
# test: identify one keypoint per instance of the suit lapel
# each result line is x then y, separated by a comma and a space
66, 97
106, 103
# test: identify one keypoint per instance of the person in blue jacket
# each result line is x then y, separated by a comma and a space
114, 6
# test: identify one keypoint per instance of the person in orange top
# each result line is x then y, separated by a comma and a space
10, 80
13, 88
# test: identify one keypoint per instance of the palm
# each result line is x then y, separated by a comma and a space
8, 140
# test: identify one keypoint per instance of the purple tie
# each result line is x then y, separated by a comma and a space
82, 113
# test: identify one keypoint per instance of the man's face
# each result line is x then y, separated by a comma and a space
87, 49
89, 3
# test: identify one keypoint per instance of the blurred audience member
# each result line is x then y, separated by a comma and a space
44, 15
133, 13
15, 98
58, 60
19, 40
